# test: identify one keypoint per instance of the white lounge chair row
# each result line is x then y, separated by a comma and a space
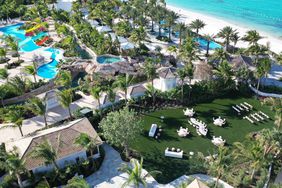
242, 107
256, 116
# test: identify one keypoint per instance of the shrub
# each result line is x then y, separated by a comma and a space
14, 64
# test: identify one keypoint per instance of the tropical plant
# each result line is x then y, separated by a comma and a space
180, 27
252, 37
182, 74
209, 39
64, 78
135, 174
111, 96
96, 93
3, 53
150, 72
16, 118
197, 25
77, 182
19, 84
14, 165
219, 163
4, 74
16, 48
65, 99
263, 69
224, 72
171, 18
220, 55
257, 50
87, 142
38, 107
226, 33
138, 35
122, 82
276, 106
46, 152
189, 50
121, 128
279, 58
31, 69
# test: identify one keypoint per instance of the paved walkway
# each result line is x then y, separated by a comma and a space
108, 175
109, 168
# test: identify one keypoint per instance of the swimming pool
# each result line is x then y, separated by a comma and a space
203, 43
106, 59
26, 44
49, 70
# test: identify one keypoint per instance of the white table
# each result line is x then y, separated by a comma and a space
219, 121
153, 130
218, 141
182, 132
174, 154
189, 112
202, 130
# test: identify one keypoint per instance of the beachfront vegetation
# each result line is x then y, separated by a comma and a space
250, 148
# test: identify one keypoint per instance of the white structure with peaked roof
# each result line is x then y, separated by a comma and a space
167, 78
64, 5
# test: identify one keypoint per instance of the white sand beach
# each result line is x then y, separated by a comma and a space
214, 25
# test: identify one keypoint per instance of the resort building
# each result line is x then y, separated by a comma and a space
167, 77
136, 91
62, 139
105, 101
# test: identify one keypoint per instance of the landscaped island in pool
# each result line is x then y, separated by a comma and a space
108, 59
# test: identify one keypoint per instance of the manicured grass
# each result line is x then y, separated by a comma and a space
236, 129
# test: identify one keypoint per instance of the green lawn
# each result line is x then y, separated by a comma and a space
153, 150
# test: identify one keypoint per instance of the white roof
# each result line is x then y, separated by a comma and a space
102, 29
127, 46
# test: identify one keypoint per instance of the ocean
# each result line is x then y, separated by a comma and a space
263, 15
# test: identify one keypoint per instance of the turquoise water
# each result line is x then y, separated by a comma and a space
26, 44
204, 43
49, 70
264, 15
108, 59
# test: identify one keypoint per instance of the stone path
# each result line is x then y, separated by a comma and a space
109, 168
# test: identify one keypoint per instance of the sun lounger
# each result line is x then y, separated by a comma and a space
246, 108
247, 104
253, 116
256, 114
236, 109
239, 107
249, 119
266, 116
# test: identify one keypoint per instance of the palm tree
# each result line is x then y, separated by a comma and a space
3, 53
96, 93
111, 96
16, 48
138, 35
220, 55
64, 78
150, 72
257, 50
276, 106
180, 27
87, 142
134, 172
251, 153
14, 165
197, 25
77, 182
263, 69
19, 84
172, 50
224, 72
16, 118
3, 93
189, 50
252, 37
65, 99
122, 82
182, 75
4, 74
170, 21
208, 38
218, 164
38, 107
31, 69
226, 33
46, 152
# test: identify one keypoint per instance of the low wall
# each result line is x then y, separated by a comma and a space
264, 94
51, 85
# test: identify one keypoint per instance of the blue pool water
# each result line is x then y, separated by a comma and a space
265, 15
204, 43
26, 44
49, 70
108, 59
